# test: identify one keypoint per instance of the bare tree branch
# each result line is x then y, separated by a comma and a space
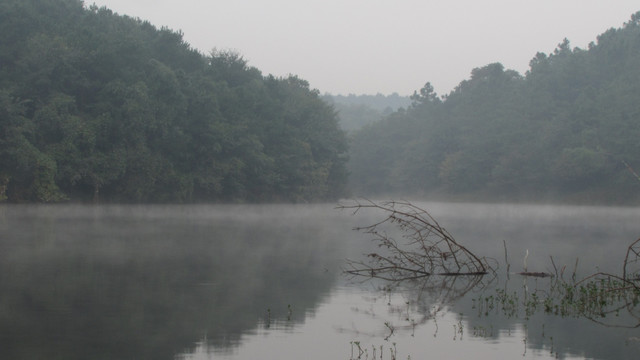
426, 249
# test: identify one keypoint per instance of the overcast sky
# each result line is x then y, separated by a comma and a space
381, 46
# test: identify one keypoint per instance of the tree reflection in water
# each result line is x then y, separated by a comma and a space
434, 272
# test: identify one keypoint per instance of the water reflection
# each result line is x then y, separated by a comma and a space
551, 306
148, 282
243, 282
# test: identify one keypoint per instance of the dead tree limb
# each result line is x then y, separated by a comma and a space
632, 258
425, 248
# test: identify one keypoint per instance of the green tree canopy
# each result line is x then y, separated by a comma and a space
107, 107
566, 129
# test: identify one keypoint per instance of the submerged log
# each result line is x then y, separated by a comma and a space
535, 274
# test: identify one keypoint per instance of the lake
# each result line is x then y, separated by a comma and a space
267, 282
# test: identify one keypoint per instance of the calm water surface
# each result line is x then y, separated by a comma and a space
255, 282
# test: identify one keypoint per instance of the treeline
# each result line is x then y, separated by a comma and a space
567, 129
356, 111
98, 106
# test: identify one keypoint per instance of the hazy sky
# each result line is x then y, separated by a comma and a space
386, 46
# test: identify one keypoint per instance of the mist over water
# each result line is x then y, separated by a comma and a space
235, 281
564, 232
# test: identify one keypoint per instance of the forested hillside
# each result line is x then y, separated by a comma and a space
99, 106
568, 129
356, 111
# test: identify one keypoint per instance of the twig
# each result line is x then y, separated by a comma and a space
554, 266
630, 249
506, 259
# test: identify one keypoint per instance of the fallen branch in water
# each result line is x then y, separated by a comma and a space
427, 249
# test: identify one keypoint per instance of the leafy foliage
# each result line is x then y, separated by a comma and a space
568, 129
107, 107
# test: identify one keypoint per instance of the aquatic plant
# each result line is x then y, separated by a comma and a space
377, 353
600, 297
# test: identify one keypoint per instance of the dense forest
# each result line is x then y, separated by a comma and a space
567, 129
98, 106
95, 106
